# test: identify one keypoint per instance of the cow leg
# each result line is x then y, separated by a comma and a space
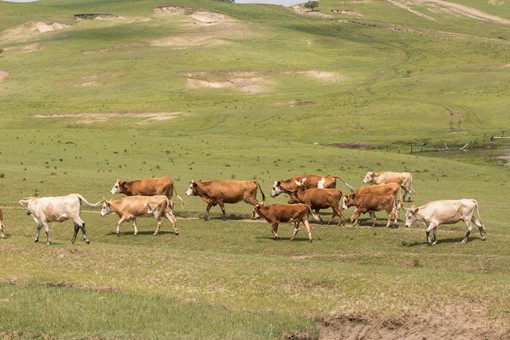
39, 226
76, 228
159, 226
296, 229
309, 228
274, 229
206, 217
134, 226
172, 220
373, 218
84, 233
222, 207
319, 216
122, 219
468, 231
47, 229
358, 213
2, 230
480, 226
433, 227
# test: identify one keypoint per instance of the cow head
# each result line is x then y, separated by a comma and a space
369, 177
192, 190
411, 216
256, 211
26, 201
348, 201
296, 196
277, 189
117, 188
106, 209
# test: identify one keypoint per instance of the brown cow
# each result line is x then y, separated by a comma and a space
221, 192
130, 207
306, 182
405, 179
1, 224
148, 187
319, 199
277, 213
375, 198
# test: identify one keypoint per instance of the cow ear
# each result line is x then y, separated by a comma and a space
279, 183
413, 209
194, 184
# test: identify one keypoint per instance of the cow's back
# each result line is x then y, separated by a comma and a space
149, 186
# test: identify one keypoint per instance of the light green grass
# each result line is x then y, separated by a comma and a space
231, 279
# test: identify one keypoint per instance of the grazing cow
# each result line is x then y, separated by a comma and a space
130, 207
57, 209
221, 192
148, 187
277, 213
446, 212
1, 224
319, 199
375, 198
306, 182
405, 179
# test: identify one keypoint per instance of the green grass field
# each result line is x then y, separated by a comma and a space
204, 90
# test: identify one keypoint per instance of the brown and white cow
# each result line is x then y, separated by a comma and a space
319, 199
148, 187
446, 212
277, 213
375, 198
405, 179
130, 207
306, 182
57, 209
2, 224
221, 192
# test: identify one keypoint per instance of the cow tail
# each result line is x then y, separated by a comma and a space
82, 199
181, 201
480, 218
260, 188
350, 187
411, 185
309, 208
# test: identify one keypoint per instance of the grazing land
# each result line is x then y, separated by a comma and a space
92, 91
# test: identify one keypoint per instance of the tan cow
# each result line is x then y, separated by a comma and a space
1, 224
375, 198
306, 182
319, 199
277, 213
57, 209
148, 187
405, 179
446, 212
221, 192
130, 207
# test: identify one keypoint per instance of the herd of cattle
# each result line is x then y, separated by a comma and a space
308, 193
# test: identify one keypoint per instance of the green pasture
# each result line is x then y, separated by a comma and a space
263, 93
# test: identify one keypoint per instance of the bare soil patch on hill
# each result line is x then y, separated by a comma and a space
92, 117
3, 75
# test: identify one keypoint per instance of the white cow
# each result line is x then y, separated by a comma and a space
405, 179
446, 212
130, 207
57, 209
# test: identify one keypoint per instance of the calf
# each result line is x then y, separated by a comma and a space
1, 224
306, 182
374, 198
277, 213
446, 212
319, 199
148, 187
405, 179
131, 207
57, 209
221, 192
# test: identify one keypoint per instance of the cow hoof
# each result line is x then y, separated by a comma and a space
87, 241
72, 241
464, 241
176, 233
47, 243
434, 243
36, 240
483, 238
155, 234
135, 234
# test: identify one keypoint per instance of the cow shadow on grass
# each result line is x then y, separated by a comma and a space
441, 241
301, 239
148, 232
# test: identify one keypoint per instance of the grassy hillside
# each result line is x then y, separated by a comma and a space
207, 90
